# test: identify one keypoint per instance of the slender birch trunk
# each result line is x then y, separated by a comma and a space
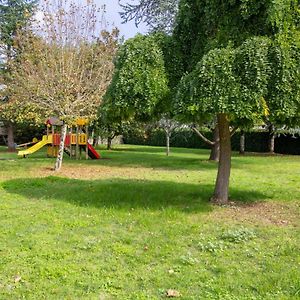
60, 155
167, 142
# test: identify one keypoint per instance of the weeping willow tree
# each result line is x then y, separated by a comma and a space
65, 66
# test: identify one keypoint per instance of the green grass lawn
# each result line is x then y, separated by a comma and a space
137, 224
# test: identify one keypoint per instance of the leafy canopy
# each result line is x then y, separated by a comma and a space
14, 15
242, 58
140, 80
204, 25
227, 80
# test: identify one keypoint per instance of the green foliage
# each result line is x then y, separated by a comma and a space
14, 15
283, 90
110, 125
174, 68
246, 55
224, 241
228, 80
173, 59
140, 80
205, 25
238, 235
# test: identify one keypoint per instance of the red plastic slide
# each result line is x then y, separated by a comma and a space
93, 154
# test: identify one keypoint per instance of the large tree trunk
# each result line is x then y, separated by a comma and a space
242, 143
10, 137
60, 155
222, 183
271, 143
215, 149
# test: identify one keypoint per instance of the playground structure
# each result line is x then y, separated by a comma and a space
76, 140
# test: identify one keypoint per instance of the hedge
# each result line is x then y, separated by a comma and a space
24, 134
254, 141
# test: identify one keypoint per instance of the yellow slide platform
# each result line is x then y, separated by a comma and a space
45, 141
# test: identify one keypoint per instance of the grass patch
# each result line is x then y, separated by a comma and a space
137, 224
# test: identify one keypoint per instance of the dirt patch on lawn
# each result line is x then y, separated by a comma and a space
94, 172
267, 213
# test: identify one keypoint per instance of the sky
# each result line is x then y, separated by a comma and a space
113, 18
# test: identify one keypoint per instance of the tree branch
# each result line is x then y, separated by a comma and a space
233, 131
206, 140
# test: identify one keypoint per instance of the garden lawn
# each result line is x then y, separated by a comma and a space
138, 224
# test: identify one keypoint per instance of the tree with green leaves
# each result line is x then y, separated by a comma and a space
137, 61
139, 82
218, 86
247, 65
109, 125
15, 15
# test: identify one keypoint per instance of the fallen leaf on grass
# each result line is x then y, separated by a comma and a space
173, 294
17, 278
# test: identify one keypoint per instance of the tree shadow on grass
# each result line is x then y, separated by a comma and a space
120, 193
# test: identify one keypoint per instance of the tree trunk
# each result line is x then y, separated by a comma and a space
215, 149
60, 155
271, 144
109, 142
242, 143
10, 137
95, 141
222, 183
167, 142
